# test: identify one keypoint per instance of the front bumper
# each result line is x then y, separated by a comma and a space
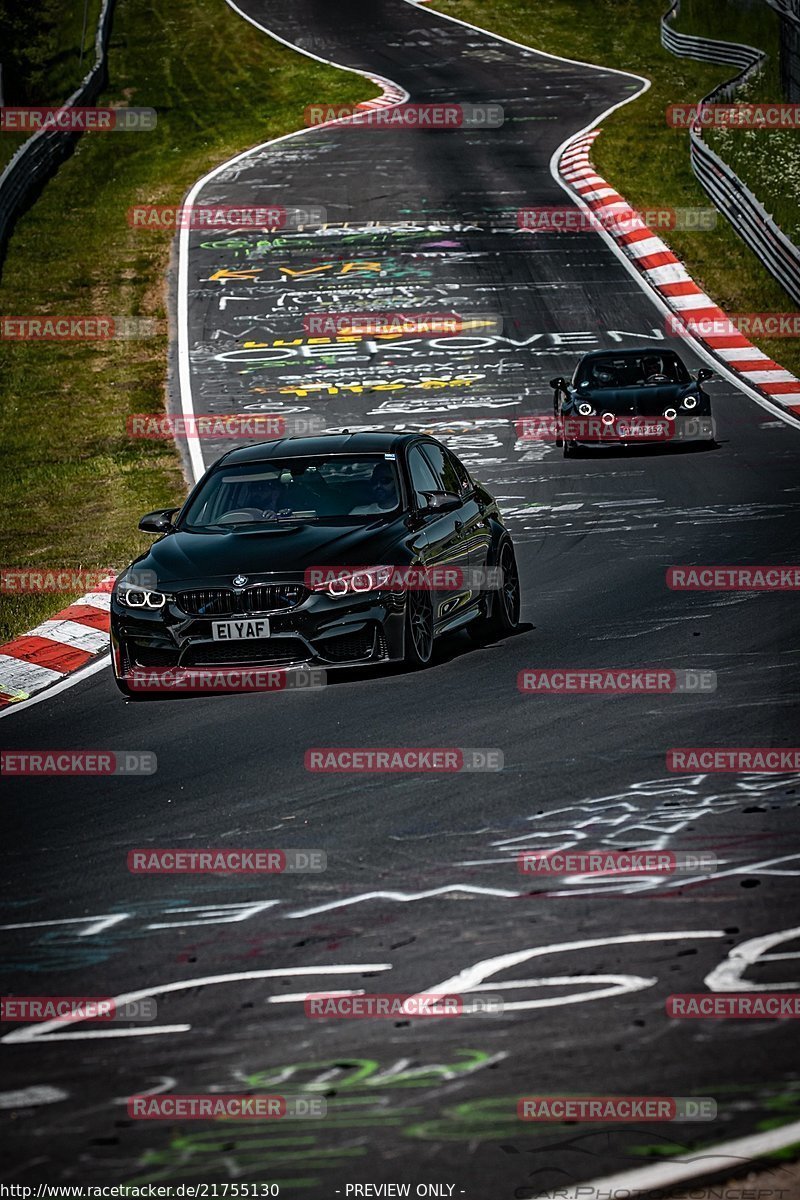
688, 428
323, 631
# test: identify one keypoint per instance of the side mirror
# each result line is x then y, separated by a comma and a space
558, 382
705, 373
442, 501
159, 521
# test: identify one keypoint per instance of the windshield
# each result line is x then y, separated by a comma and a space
632, 370
300, 489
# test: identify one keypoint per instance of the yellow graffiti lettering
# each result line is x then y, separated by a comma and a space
307, 271
226, 274
359, 266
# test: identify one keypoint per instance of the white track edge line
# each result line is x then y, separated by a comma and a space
732, 1156
184, 373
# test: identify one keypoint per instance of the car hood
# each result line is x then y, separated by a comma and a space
284, 549
649, 401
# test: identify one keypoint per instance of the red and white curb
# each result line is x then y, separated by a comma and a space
54, 649
667, 275
390, 95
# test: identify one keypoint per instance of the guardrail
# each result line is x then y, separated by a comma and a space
733, 199
40, 156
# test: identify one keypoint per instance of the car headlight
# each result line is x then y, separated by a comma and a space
137, 597
585, 410
670, 414
689, 402
366, 579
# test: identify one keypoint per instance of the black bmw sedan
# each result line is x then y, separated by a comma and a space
328, 551
632, 396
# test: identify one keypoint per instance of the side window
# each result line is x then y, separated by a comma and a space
422, 476
465, 484
444, 465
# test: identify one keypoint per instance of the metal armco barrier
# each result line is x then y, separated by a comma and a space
41, 155
734, 200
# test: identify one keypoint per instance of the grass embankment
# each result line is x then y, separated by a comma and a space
74, 484
42, 59
637, 152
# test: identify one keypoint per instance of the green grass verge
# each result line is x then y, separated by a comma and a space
637, 152
42, 61
75, 484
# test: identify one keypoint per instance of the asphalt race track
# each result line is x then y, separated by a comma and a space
422, 881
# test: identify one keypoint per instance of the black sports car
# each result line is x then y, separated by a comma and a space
626, 397
327, 551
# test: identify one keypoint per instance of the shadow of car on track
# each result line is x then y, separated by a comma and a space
641, 452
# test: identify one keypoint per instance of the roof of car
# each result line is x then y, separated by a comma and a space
623, 350
321, 443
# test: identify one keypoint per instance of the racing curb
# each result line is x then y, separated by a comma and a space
667, 275
54, 649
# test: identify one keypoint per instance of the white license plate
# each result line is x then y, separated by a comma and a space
234, 631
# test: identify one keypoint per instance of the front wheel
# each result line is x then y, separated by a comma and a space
502, 614
419, 630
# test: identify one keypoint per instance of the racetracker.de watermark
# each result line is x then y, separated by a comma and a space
755, 324
734, 578
322, 1005
52, 327
716, 760
235, 861
54, 579
616, 1108
224, 216
618, 218
724, 1006
441, 760
69, 119
31, 1009
442, 115
376, 324
546, 427
171, 1107
341, 581
225, 679
614, 862
78, 762
765, 114
261, 426
617, 681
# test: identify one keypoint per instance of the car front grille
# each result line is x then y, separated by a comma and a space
224, 602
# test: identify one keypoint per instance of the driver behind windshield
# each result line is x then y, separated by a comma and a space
603, 376
382, 491
658, 370
265, 495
